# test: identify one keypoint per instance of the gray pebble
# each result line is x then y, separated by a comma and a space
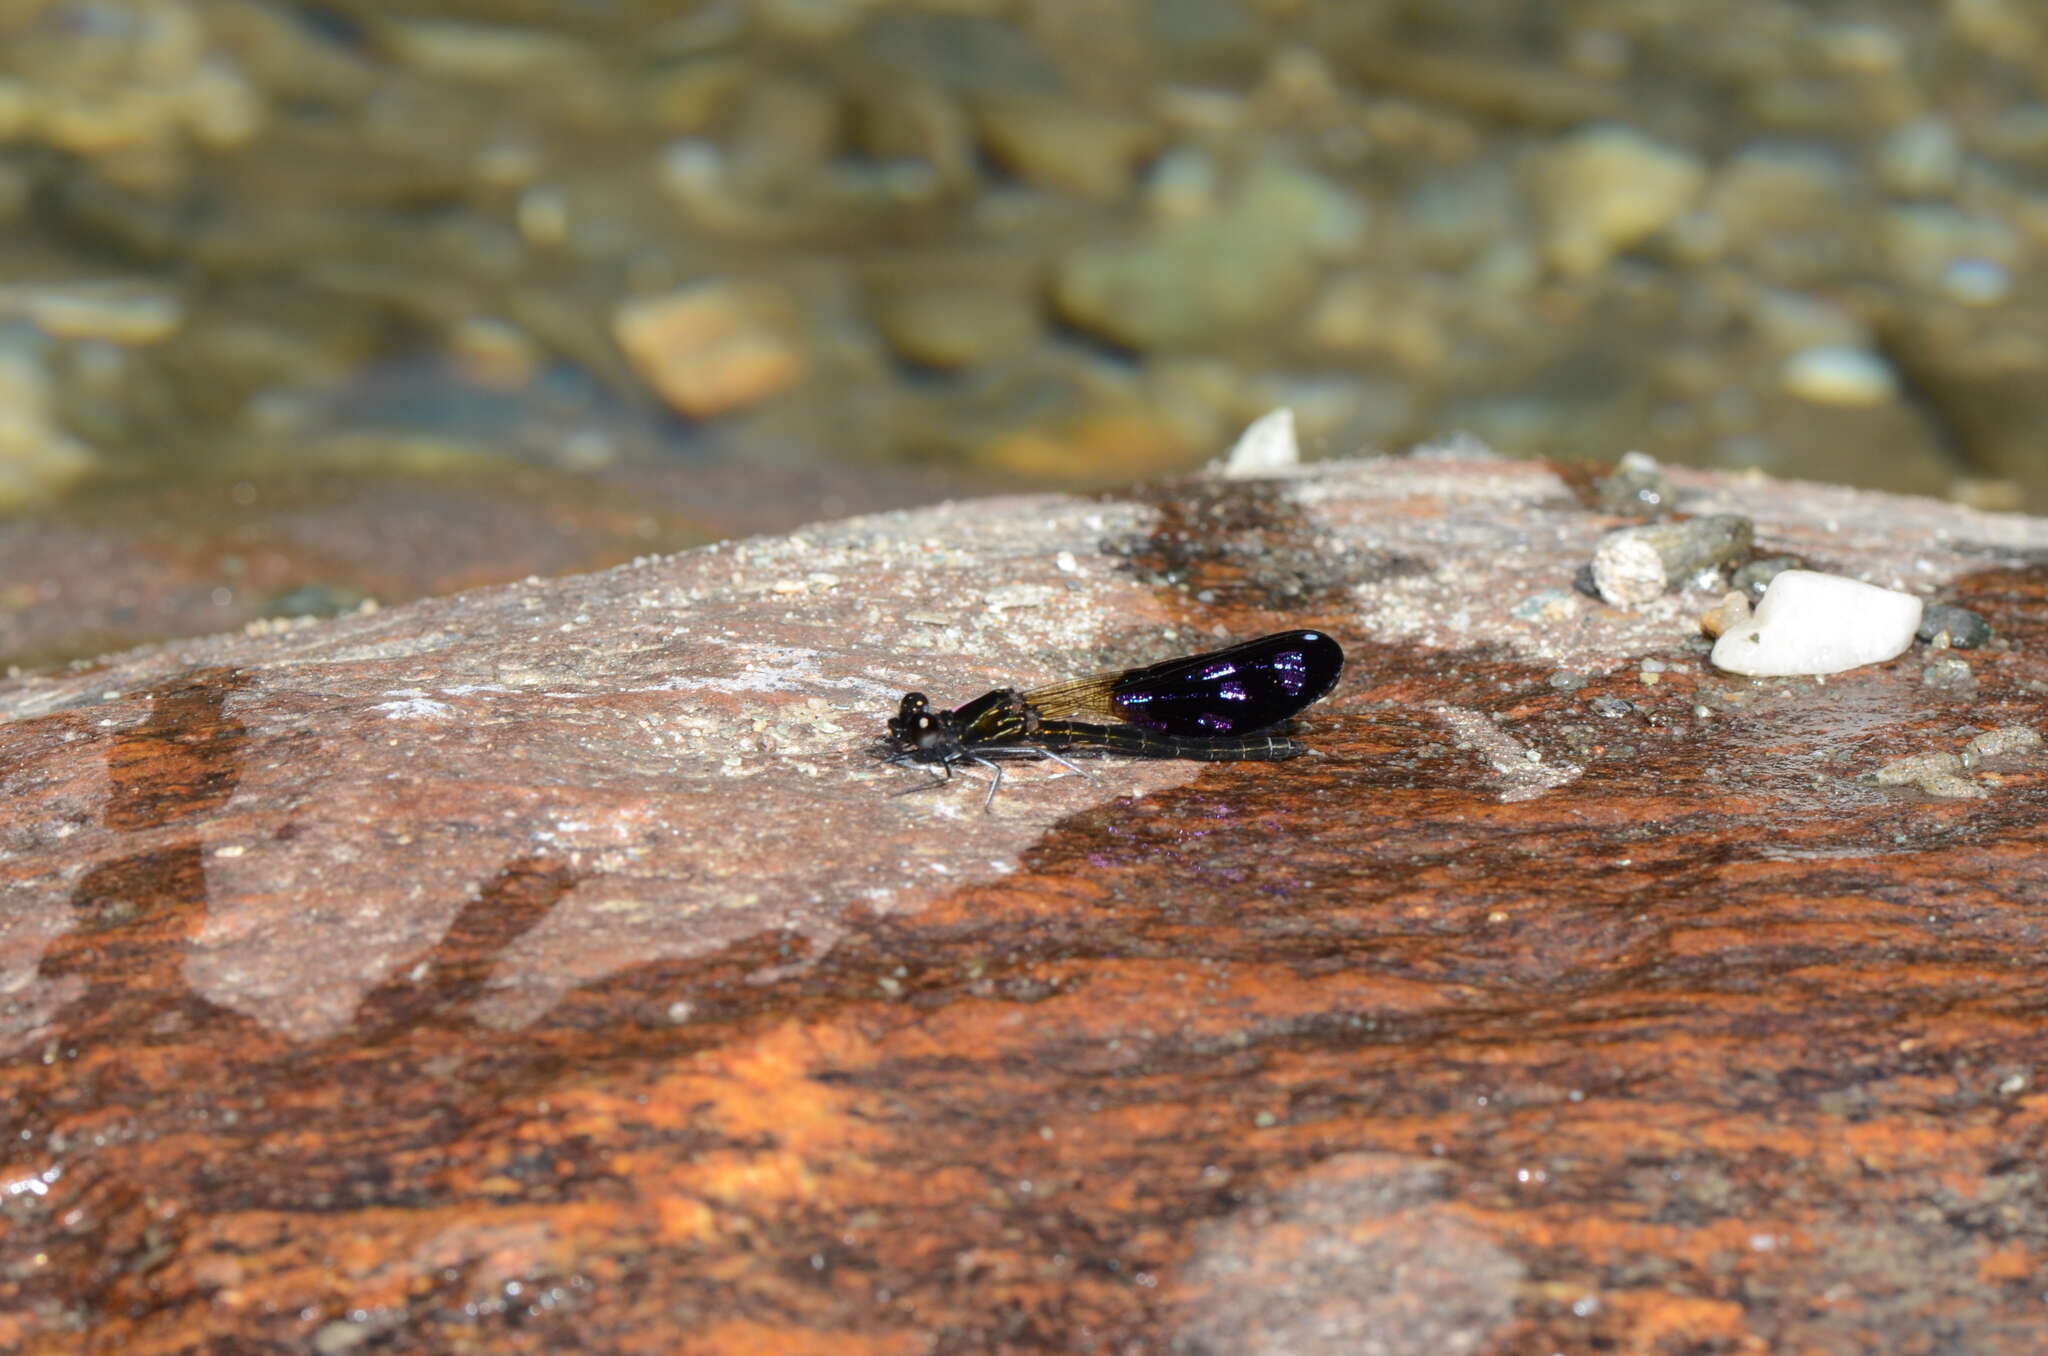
1965, 629
1948, 673
1756, 576
1634, 565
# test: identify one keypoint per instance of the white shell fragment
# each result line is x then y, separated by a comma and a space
1809, 622
1267, 445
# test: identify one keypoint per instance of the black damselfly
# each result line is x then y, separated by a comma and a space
1206, 706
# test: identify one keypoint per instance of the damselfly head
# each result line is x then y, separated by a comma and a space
912, 715
916, 728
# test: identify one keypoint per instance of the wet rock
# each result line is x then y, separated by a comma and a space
1633, 565
1809, 622
553, 958
1958, 628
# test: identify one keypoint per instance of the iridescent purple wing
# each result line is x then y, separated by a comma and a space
1228, 692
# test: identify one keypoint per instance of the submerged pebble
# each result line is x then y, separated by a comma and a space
1963, 629
713, 347
1607, 188
1634, 565
1637, 487
1814, 623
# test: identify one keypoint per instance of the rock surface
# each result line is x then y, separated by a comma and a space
549, 968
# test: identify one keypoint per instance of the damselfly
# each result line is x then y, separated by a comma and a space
1206, 706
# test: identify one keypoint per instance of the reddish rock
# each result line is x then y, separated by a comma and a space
549, 967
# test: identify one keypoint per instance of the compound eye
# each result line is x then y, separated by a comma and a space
924, 722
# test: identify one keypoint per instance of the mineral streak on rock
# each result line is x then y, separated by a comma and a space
549, 969
1938, 774
1360, 1254
2006, 739
1521, 769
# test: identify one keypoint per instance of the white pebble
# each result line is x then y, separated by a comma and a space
1267, 445
1812, 623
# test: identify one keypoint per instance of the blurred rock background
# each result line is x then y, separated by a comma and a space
286, 289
